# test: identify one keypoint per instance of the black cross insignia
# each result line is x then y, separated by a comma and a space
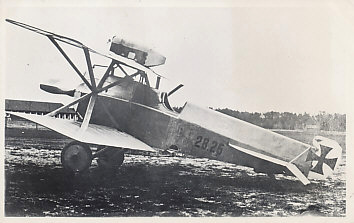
321, 159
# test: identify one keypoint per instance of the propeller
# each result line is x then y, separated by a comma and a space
56, 90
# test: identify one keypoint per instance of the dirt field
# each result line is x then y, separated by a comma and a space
157, 185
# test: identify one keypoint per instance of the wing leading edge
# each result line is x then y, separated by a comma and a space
94, 134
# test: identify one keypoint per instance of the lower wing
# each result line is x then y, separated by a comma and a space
94, 134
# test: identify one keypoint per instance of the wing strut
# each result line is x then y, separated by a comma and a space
122, 60
95, 89
99, 90
88, 112
69, 61
90, 69
55, 112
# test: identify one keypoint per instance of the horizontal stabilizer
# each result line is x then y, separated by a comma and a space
291, 167
94, 134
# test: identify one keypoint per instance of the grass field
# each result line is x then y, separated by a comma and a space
154, 185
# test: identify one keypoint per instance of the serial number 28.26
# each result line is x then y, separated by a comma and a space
210, 146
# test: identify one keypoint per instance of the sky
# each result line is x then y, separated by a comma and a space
295, 56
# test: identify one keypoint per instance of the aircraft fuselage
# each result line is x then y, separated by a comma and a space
135, 109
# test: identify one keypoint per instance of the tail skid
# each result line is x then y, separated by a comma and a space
325, 156
290, 166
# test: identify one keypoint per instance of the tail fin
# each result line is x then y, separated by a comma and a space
325, 158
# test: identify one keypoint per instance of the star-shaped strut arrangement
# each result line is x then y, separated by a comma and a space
94, 87
321, 159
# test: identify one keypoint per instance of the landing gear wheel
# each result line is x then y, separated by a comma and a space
111, 158
76, 157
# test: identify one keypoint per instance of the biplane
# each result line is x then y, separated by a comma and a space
123, 111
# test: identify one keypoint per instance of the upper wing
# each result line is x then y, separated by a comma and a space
76, 43
94, 134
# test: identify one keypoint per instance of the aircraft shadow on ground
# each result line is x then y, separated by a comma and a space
141, 190
148, 177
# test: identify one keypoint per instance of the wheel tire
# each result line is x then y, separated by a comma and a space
76, 157
111, 159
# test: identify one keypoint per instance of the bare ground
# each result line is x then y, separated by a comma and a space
156, 185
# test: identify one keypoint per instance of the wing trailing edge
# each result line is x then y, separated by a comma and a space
94, 134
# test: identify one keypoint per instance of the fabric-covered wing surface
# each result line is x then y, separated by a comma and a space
94, 134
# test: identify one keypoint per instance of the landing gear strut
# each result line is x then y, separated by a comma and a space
76, 157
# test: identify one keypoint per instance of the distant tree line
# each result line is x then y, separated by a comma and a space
288, 120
